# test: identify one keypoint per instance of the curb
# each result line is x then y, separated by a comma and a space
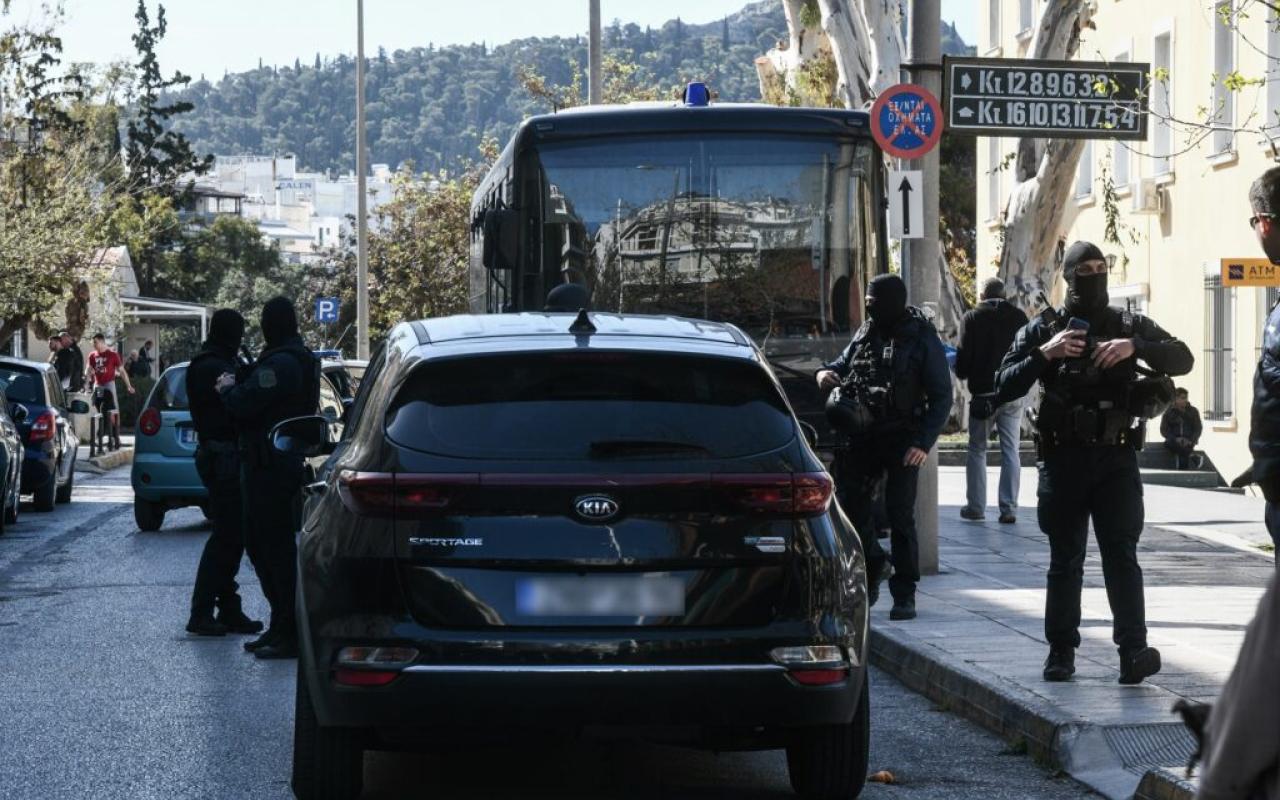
1061, 740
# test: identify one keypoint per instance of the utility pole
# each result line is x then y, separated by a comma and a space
924, 285
595, 87
362, 212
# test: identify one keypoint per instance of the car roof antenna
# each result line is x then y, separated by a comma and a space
582, 325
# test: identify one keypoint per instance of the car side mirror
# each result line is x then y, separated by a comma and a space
501, 237
19, 413
810, 433
303, 436
79, 407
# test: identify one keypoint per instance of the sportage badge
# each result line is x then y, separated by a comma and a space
596, 507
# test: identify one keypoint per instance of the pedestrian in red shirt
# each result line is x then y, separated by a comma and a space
103, 368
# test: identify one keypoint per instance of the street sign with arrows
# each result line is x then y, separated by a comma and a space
906, 204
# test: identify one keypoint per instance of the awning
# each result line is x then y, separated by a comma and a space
138, 309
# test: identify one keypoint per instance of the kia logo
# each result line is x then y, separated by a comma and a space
596, 507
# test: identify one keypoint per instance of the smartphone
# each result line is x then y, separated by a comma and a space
1077, 324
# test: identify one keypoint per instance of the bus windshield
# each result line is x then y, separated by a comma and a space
772, 233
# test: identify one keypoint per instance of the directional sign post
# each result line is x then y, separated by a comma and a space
1052, 99
326, 310
906, 204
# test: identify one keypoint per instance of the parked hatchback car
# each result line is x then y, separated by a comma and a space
11, 457
534, 521
164, 473
49, 439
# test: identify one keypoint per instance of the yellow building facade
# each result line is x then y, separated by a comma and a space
1181, 195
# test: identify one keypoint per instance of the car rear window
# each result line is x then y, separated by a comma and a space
590, 405
21, 384
170, 393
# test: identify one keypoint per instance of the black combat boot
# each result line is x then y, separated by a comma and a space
206, 625
262, 641
284, 645
903, 610
1138, 664
1060, 665
237, 622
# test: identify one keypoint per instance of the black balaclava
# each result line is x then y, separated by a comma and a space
1086, 294
568, 297
886, 300
226, 329
279, 321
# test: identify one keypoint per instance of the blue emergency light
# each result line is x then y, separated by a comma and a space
697, 94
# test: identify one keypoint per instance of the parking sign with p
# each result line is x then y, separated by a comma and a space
326, 310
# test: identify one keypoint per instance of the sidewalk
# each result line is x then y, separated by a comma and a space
978, 645
106, 460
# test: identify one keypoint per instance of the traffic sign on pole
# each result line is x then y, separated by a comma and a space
906, 121
906, 204
1053, 99
326, 310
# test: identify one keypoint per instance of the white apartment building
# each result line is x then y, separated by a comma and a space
1182, 194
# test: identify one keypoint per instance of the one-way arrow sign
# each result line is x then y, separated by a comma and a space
906, 205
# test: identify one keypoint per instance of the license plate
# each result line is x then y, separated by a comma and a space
187, 436
601, 596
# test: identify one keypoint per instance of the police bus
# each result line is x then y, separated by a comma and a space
768, 218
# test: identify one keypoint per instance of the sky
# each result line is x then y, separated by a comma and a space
207, 37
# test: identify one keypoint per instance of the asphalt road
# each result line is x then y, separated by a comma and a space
103, 695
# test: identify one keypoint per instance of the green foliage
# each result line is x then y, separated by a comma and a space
434, 106
131, 405
958, 217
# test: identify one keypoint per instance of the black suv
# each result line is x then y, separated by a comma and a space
542, 521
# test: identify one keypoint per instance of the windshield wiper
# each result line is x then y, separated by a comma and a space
613, 448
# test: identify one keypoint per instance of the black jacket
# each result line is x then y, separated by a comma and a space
1264, 428
987, 333
213, 423
1025, 364
284, 383
1183, 424
918, 350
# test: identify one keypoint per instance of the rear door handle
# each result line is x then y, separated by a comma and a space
313, 489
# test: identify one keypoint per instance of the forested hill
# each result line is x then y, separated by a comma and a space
434, 105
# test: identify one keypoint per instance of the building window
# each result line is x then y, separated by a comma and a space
1084, 172
993, 178
1224, 63
1121, 156
1219, 373
1026, 10
993, 24
1162, 103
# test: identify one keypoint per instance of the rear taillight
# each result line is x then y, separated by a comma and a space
819, 665
371, 666
380, 494
42, 429
150, 421
801, 493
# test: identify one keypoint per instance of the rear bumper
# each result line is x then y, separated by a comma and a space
166, 479
719, 696
38, 468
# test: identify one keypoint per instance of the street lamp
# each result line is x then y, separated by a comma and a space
362, 222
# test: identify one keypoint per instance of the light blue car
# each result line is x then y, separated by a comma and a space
164, 466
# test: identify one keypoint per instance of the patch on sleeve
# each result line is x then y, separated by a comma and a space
266, 377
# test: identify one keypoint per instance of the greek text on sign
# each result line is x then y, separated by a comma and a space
1249, 272
906, 121
1054, 99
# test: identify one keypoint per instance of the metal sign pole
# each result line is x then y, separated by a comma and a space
362, 222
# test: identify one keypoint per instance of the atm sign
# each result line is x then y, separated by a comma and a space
1249, 272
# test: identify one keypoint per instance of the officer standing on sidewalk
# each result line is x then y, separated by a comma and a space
890, 395
283, 383
1090, 424
218, 463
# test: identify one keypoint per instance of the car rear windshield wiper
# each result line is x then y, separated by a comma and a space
615, 448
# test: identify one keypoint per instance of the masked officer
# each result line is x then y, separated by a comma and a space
891, 396
283, 383
1090, 424
218, 462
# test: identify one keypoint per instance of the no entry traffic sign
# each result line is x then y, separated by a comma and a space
906, 121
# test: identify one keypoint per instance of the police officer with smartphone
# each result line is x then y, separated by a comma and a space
1089, 427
